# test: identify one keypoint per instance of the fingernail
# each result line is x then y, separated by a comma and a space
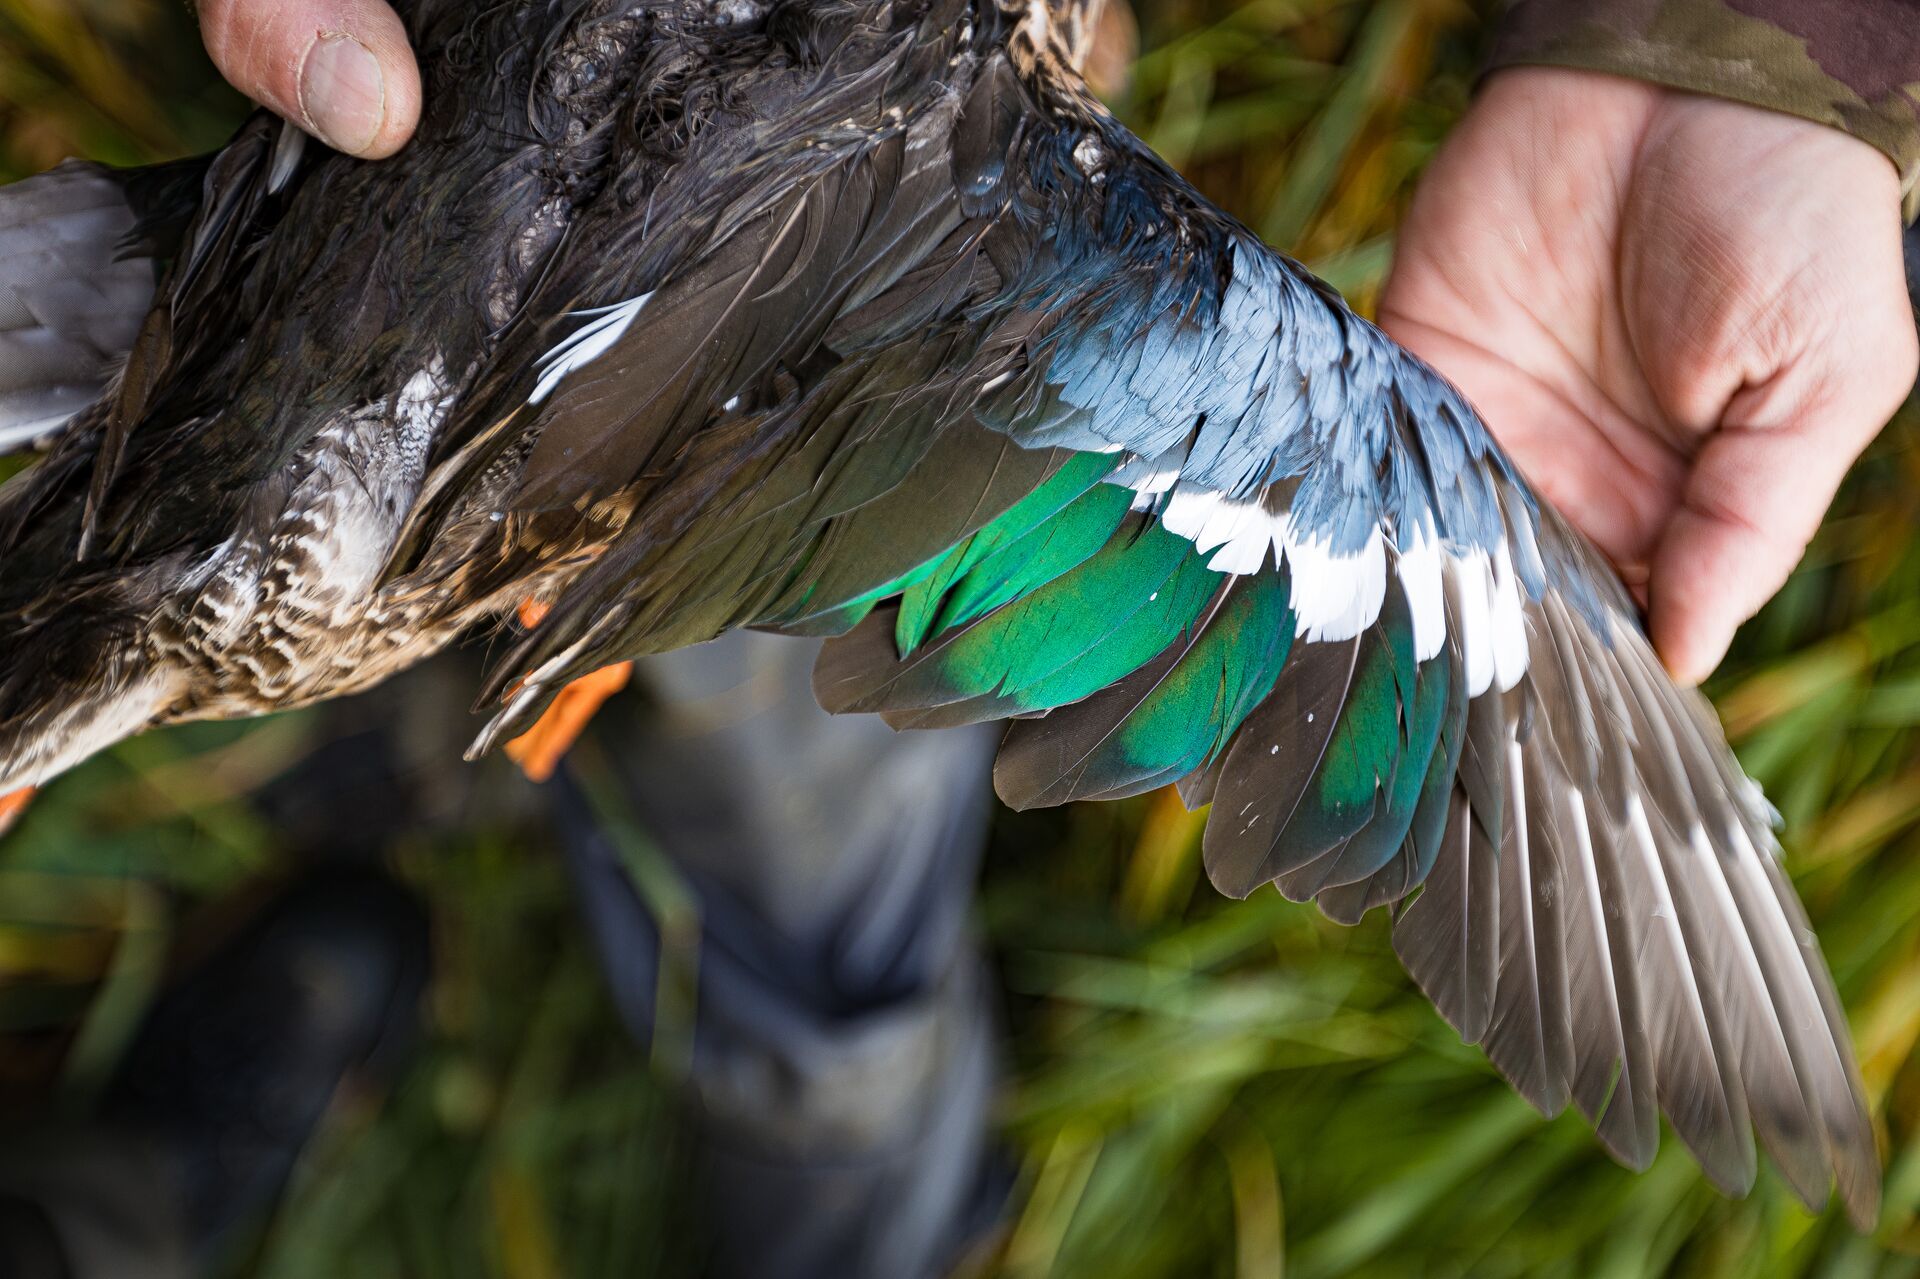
342, 93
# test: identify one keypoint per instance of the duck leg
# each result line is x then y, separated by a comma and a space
538, 751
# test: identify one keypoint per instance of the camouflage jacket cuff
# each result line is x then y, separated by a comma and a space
1852, 64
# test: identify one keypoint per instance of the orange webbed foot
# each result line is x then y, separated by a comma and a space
538, 751
12, 805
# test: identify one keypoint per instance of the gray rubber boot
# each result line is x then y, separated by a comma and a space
842, 1057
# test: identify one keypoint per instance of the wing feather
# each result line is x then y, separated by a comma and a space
1529, 1038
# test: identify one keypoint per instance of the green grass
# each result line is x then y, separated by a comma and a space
1201, 1087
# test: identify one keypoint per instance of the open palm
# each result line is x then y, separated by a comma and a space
1685, 317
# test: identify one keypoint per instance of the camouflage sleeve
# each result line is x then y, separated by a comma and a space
1853, 64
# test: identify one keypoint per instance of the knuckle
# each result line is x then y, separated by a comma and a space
1715, 499
1868, 368
1901, 358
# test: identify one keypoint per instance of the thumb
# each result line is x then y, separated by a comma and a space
1755, 497
340, 69
1750, 507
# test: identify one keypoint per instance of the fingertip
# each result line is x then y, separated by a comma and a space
1690, 645
1674, 625
343, 70
379, 28
1709, 575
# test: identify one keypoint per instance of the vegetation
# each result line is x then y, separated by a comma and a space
1200, 1087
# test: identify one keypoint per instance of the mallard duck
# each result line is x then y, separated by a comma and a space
865, 319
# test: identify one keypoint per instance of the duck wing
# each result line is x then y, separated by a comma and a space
973, 381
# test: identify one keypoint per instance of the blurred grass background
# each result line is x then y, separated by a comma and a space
1200, 1087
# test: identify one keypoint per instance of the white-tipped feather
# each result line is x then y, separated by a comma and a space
1157, 481
1185, 513
1202, 516
1507, 622
1420, 571
1147, 477
1472, 580
1246, 551
1248, 533
1243, 531
1335, 597
584, 347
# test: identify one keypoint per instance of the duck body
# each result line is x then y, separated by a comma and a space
328, 326
321, 317
849, 318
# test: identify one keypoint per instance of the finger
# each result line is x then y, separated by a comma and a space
340, 69
1756, 496
1730, 546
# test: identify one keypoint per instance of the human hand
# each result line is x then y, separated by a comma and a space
340, 69
1684, 317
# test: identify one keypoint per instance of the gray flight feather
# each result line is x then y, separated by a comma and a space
70, 304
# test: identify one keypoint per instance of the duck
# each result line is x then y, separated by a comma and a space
864, 319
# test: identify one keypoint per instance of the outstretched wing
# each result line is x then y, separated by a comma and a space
973, 379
